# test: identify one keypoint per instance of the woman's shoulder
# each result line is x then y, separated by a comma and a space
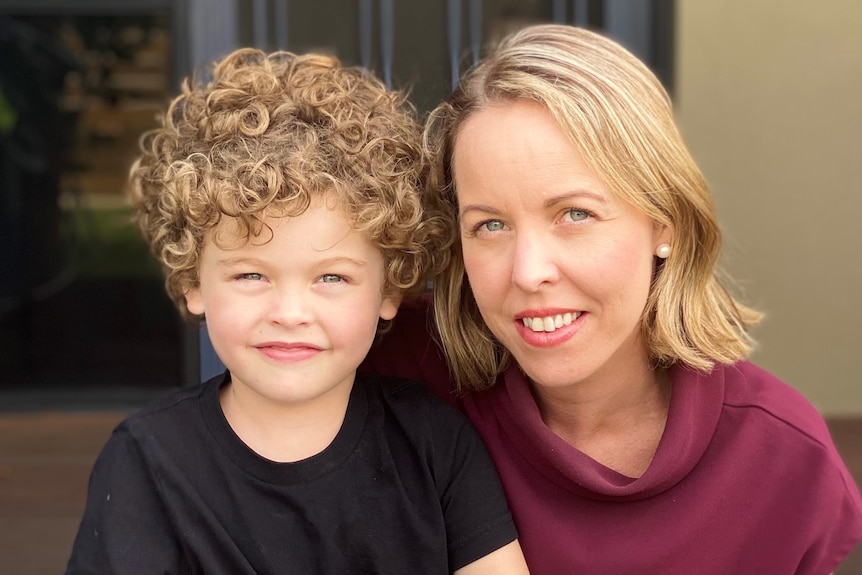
412, 401
793, 437
749, 386
410, 350
762, 407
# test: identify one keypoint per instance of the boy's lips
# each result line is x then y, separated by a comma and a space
288, 351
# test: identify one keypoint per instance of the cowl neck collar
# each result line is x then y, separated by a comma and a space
693, 414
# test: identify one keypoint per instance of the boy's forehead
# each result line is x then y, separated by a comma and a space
324, 225
329, 199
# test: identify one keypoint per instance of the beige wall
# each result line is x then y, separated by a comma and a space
769, 97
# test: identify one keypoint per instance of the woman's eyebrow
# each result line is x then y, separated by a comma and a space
548, 203
578, 194
478, 208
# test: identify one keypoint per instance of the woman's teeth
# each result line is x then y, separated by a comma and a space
549, 323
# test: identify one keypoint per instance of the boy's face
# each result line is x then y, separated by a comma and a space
292, 317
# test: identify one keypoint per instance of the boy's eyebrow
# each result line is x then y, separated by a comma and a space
342, 259
237, 260
241, 260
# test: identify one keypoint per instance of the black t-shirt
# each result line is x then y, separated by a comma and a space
406, 486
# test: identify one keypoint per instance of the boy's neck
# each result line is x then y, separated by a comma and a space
284, 432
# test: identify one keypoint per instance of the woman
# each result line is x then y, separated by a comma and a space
591, 343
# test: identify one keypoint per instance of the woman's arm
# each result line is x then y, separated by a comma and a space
507, 560
409, 350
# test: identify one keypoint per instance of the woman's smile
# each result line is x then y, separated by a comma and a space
551, 322
549, 330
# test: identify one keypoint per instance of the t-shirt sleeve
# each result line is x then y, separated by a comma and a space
125, 528
477, 516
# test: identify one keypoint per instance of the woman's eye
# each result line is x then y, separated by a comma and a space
331, 278
577, 215
492, 225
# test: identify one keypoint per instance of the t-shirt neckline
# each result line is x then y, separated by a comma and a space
342, 446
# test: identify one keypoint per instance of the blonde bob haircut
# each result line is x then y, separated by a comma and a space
267, 135
620, 119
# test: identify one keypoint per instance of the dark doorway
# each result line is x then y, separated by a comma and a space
82, 304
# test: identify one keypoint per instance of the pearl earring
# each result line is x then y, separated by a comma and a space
663, 251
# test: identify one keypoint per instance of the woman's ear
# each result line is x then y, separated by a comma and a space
663, 236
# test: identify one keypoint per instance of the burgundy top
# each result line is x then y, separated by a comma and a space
745, 479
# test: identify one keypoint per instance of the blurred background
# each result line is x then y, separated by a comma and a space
768, 94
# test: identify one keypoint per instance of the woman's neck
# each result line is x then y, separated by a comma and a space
619, 423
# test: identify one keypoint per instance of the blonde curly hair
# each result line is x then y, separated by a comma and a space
265, 136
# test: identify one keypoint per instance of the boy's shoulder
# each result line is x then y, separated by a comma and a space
173, 410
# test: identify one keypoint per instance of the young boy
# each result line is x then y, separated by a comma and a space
282, 200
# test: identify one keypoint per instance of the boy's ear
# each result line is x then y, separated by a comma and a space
389, 306
194, 301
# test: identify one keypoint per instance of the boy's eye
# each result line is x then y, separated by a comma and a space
331, 278
250, 277
577, 215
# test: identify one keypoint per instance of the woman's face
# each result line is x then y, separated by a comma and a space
560, 267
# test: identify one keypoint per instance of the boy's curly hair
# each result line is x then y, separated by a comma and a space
267, 135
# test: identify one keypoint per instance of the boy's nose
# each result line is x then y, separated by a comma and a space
290, 308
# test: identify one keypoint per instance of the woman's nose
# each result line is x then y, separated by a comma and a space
534, 262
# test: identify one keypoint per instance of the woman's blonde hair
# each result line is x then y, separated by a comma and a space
268, 134
620, 118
